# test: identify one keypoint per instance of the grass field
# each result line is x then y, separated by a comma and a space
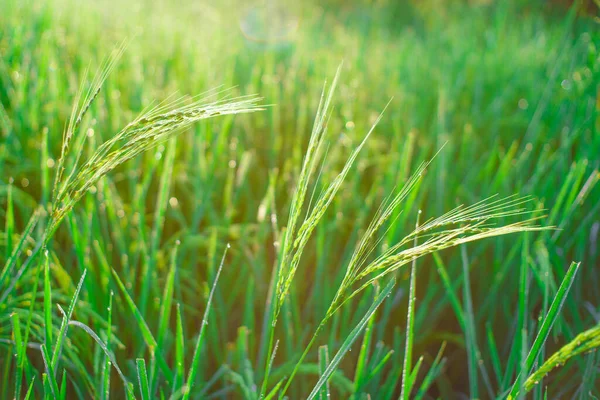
367, 199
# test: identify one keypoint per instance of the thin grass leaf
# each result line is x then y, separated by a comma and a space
179, 355
22, 355
410, 325
18, 339
63, 386
549, 320
50, 373
196, 358
148, 272
433, 372
105, 349
412, 378
165, 306
11, 262
47, 300
9, 223
470, 334
62, 334
105, 393
143, 326
30, 390
324, 393
213, 379
274, 391
584, 342
351, 338
361, 364
374, 372
143, 378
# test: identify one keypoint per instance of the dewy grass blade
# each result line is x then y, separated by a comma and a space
410, 325
196, 358
11, 262
584, 342
22, 357
361, 365
165, 308
9, 222
159, 219
105, 391
324, 393
434, 371
105, 349
351, 338
143, 378
470, 335
179, 354
50, 373
549, 320
64, 327
143, 326
30, 390
47, 301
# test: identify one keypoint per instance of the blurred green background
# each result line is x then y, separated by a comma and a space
511, 87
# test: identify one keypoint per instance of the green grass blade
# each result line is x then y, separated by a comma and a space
179, 354
196, 358
360, 372
167, 299
47, 300
470, 335
64, 327
412, 378
50, 373
9, 222
17, 336
433, 372
143, 326
143, 378
22, 356
11, 262
165, 308
104, 348
584, 342
105, 392
324, 393
63, 386
351, 338
274, 391
30, 390
149, 272
410, 327
549, 320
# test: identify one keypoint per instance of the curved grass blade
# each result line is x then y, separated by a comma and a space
11, 262
351, 339
64, 326
410, 327
323, 362
106, 351
50, 373
30, 390
196, 358
146, 334
584, 342
143, 378
544, 330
